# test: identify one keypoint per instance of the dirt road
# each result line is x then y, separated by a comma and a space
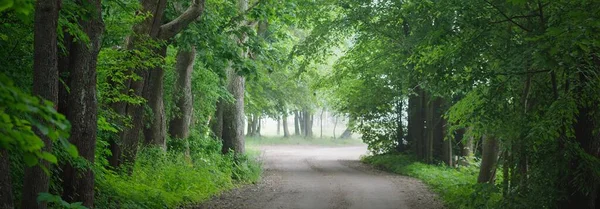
325, 178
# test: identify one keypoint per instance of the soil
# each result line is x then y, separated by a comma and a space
314, 177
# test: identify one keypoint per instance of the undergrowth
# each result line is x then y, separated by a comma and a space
173, 179
456, 186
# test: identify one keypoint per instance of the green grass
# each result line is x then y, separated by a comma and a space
456, 186
299, 140
172, 179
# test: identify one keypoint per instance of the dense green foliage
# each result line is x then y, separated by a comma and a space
172, 179
512, 83
433, 78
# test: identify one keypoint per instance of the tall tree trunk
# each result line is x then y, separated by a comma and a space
78, 184
304, 124
278, 125
258, 126
429, 126
587, 137
286, 131
301, 120
296, 123
442, 149
308, 122
399, 128
446, 145
335, 121
233, 115
179, 126
467, 149
6, 195
321, 121
346, 134
250, 125
155, 133
217, 122
489, 159
416, 123
45, 85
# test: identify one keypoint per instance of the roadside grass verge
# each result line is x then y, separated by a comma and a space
457, 187
299, 140
173, 179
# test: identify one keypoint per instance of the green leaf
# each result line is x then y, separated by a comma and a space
5, 4
49, 157
72, 150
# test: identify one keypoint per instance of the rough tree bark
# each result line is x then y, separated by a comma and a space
442, 149
489, 159
278, 125
428, 130
258, 126
286, 131
233, 115
45, 85
156, 132
296, 123
321, 122
302, 122
307, 118
446, 145
179, 126
216, 125
251, 125
78, 184
335, 121
416, 123
6, 195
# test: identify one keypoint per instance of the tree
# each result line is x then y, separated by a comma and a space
78, 183
286, 131
180, 125
7, 200
487, 173
45, 85
150, 86
296, 123
233, 113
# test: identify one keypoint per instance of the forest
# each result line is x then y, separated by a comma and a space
150, 103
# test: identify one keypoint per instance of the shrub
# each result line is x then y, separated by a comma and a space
173, 179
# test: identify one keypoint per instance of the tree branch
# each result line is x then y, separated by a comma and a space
515, 17
506, 16
170, 29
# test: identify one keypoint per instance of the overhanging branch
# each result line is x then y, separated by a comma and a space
170, 29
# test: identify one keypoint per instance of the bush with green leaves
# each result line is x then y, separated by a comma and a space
172, 179
21, 116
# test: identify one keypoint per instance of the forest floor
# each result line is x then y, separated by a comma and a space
313, 177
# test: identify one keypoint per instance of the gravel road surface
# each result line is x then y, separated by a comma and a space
314, 177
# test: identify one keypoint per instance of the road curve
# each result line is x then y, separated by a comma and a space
314, 177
